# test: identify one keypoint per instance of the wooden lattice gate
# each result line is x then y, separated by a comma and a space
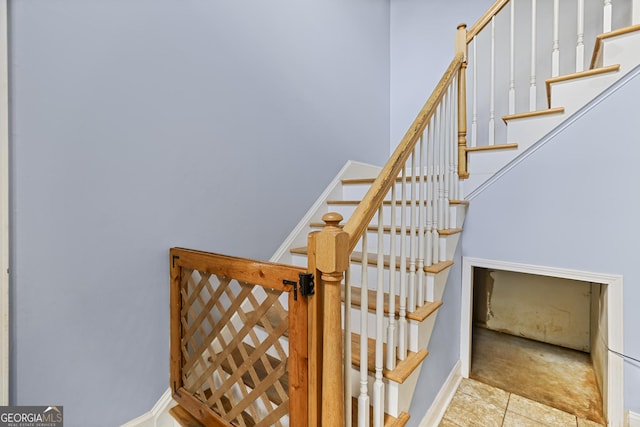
238, 340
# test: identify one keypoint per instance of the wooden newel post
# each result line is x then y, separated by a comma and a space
332, 260
461, 47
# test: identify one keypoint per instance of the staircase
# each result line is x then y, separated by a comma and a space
397, 227
615, 54
399, 381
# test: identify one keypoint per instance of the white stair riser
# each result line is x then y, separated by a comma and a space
623, 50
489, 160
574, 94
449, 243
458, 212
526, 131
436, 284
420, 332
397, 396
371, 323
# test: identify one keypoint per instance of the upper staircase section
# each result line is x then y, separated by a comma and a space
531, 65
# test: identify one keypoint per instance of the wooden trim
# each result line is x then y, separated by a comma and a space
365, 211
298, 368
600, 38
403, 368
511, 146
184, 417
441, 402
530, 114
4, 207
263, 273
175, 328
485, 19
580, 75
196, 408
315, 331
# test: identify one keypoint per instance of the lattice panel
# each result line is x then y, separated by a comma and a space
234, 349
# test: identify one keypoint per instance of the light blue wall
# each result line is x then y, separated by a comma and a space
138, 125
422, 47
574, 204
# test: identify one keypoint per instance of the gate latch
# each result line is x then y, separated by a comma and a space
306, 285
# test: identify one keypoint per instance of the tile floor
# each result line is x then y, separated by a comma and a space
478, 405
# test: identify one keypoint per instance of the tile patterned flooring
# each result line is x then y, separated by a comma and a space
479, 405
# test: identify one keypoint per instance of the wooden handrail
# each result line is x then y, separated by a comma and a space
365, 211
485, 19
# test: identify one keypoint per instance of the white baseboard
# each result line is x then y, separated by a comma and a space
156, 417
633, 419
443, 398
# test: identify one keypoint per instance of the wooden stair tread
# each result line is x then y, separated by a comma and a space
539, 113
184, 418
372, 259
419, 315
511, 146
389, 421
403, 368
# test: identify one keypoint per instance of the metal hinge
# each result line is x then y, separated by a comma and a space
307, 287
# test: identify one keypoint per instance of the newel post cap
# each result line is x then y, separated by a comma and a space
332, 245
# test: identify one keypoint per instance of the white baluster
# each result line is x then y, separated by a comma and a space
378, 386
363, 398
456, 184
606, 16
492, 85
391, 329
447, 154
436, 183
411, 303
402, 315
429, 200
532, 81
474, 107
347, 348
512, 60
421, 224
580, 43
555, 54
441, 166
